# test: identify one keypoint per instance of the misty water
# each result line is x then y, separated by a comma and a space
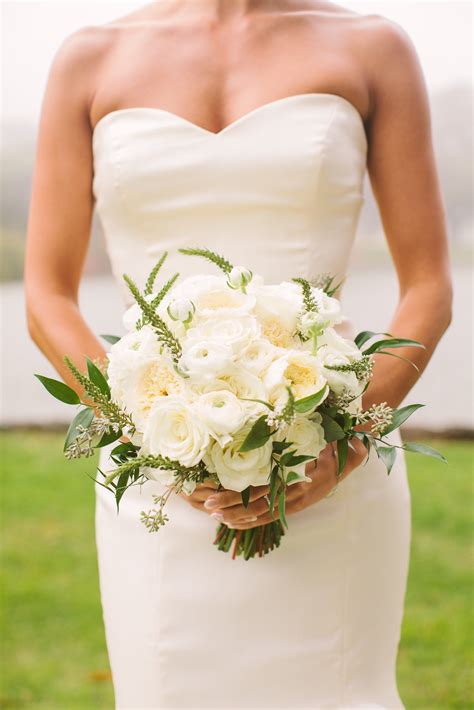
369, 298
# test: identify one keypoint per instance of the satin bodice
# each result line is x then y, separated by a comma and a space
278, 190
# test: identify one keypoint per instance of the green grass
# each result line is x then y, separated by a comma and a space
53, 647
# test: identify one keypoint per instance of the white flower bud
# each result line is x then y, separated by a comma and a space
239, 277
181, 309
313, 320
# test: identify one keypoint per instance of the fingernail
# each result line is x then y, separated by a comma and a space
217, 516
248, 520
211, 502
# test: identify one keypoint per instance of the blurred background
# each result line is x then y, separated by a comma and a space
57, 638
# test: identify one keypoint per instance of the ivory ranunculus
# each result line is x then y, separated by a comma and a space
329, 308
297, 369
258, 356
237, 333
212, 297
174, 430
222, 412
206, 358
236, 469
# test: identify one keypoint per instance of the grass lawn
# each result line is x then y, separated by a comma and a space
53, 648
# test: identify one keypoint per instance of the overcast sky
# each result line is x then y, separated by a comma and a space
32, 31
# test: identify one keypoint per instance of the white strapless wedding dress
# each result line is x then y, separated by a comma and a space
316, 623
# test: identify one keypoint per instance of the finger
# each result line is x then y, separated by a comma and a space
226, 499
240, 513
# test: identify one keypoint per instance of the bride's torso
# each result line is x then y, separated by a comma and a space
278, 189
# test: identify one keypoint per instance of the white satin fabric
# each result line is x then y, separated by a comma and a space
316, 623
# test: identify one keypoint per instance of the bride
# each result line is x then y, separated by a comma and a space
245, 126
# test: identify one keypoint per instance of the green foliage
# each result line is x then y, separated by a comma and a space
154, 273
112, 339
401, 415
82, 419
211, 256
257, 436
306, 404
59, 390
108, 407
96, 376
309, 301
157, 323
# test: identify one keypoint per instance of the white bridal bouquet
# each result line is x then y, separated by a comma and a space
224, 377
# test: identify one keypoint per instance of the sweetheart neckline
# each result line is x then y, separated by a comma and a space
233, 124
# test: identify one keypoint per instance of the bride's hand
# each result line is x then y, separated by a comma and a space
227, 507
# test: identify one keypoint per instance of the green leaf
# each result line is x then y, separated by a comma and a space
342, 450
332, 430
274, 485
260, 401
245, 497
401, 415
424, 449
280, 446
290, 459
281, 508
387, 454
257, 436
392, 343
292, 476
121, 487
83, 418
307, 403
59, 390
112, 339
364, 336
108, 438
96, 376
400, 357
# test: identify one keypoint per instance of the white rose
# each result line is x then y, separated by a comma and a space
236, 469
277, 309
244, 385
174, 430
151, 379
125, 356
307, 437
297, 369
222, 412
335, 351
212, 297
206, 358
236, 333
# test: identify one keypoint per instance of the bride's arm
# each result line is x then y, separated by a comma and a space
402, 169
405, 183
60, 213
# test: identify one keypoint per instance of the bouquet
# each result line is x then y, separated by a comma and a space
227, 379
